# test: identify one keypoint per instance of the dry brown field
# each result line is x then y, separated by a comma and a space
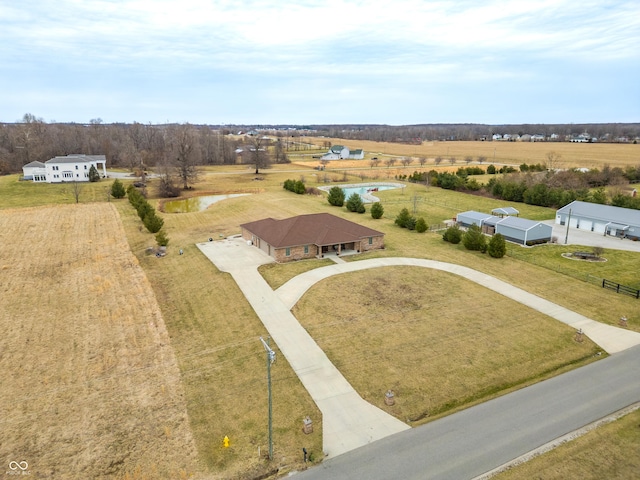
91, 388
571, 155
408, 329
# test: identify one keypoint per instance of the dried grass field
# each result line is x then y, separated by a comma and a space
588, 155
90, 385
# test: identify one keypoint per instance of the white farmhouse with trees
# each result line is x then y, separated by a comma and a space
340, 152
70, 168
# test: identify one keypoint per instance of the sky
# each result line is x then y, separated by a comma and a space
394, 62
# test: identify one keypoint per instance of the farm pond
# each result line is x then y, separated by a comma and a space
197, 204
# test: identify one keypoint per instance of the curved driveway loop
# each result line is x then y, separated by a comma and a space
610, 339
348, 420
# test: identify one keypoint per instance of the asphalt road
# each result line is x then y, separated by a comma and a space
477, 440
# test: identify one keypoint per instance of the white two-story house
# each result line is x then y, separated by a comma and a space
71, 168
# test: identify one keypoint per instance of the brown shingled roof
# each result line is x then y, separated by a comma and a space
312, 229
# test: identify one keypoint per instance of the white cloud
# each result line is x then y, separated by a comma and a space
346, 48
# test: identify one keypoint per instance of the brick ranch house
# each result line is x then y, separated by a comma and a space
310, 236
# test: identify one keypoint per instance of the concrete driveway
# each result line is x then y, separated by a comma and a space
591, 239
350, 422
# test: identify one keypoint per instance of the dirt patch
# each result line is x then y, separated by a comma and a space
583, 257
90, 383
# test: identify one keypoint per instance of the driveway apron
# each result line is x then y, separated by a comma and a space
348, 421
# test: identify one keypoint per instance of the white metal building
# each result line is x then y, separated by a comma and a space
603, 219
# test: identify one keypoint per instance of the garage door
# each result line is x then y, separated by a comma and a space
599, 227
573, 223
585, 225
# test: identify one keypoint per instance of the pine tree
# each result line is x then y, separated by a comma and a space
474, 239
117, 189
94, 176
497, 246
336, 197
421, 225
377, 210
404, 219
354, 203
452, 234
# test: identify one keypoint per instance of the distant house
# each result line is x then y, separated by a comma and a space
71, 168
35, 171
513, 229
310, 236
340, 152
604, 219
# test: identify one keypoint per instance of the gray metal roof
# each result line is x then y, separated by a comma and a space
491, 221
605, 213
472, 214
505, 211
77, 158
34, 164
521, 223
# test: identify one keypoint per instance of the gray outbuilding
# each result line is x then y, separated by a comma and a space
513, 229
466, 219
523, 231
603, 219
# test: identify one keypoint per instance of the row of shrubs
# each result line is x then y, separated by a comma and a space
152, 222
406, 220
474, 239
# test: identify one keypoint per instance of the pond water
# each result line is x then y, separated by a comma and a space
367, 191
197, 204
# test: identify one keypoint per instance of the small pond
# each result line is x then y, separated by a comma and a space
366, 190
197, 204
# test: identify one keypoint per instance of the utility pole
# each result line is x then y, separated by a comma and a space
271, 357
566, 237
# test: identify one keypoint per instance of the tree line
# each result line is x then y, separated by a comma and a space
467, 132
179, 148
536, 186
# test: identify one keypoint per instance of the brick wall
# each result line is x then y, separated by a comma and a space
378, 242
295, 253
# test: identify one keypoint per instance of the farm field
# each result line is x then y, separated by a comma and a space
588, 155
213, 332
91, 385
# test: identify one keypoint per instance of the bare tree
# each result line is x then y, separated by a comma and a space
481, 159
184, 153
406, 161
468, 159
279, 154
258, 153
76, 189
374, 162
552, 160
167, 187
390, 162
452, 160
437, 160
422, 161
